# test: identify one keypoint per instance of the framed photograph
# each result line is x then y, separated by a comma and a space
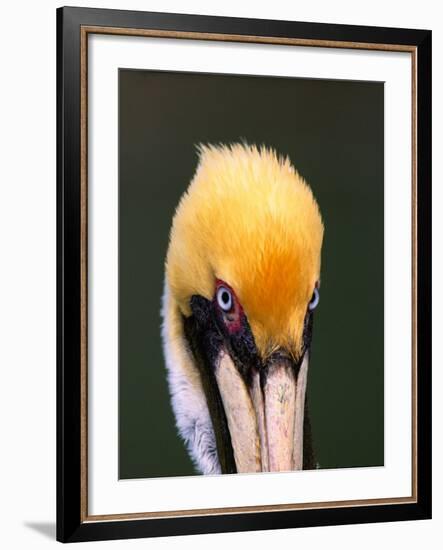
244, 274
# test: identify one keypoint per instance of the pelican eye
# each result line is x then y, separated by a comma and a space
224, 298
314, 300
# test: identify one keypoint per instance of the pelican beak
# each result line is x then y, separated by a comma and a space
257, 407
265, 413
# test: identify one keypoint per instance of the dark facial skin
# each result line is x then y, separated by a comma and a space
208, 330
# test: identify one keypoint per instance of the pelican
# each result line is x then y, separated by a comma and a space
242, 276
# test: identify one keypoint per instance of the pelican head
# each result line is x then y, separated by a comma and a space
241, 285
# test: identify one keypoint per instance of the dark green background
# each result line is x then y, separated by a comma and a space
333, 133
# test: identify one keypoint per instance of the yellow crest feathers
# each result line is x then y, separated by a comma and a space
249, 219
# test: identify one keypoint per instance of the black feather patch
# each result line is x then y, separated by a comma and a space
205, 341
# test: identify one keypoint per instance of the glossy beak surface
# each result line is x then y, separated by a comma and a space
265, 415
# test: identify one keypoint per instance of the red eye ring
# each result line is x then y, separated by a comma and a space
228, 306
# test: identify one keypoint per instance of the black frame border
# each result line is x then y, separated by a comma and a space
70, 527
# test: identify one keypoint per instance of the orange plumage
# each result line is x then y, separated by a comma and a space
249, 219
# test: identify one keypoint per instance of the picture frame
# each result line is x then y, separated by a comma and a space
75, 27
